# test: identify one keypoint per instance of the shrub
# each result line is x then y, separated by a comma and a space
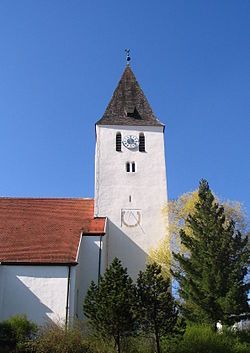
15, 332
99, 345
23, 328
197, 339
138, 344
56, 339
7, 338
202, 339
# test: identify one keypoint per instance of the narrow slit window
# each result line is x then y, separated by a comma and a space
133, 167
128, 167
142, 142
118, 142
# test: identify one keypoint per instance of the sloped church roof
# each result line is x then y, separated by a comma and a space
128, 105
45, 230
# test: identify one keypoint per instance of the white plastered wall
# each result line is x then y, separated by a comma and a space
87, 269
40, 292
145, 191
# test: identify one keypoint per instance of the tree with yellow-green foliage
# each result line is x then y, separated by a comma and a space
212, 271
177, 212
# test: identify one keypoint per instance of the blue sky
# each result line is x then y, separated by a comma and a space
60, 62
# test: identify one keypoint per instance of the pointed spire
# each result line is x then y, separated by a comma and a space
128, 105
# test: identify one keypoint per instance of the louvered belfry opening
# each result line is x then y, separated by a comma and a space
118, 142
142, 142
132, 113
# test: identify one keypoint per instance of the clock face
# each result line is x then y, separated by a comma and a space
131, 141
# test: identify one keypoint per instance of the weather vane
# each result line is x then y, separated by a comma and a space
128, 58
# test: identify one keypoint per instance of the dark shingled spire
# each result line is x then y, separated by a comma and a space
129, 106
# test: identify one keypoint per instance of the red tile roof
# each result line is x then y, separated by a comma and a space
45, 230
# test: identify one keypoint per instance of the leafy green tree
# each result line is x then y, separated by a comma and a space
176, 213
158, 314
109, 306
212, 272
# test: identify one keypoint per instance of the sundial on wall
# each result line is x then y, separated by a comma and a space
130, 218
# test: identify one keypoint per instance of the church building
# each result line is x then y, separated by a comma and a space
52, 248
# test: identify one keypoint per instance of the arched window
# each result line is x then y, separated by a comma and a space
130, 167
141, 142
118, 142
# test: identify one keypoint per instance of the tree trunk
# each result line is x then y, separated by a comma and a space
214, 326
118, 344
157, 339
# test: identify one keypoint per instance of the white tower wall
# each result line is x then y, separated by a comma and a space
133, 202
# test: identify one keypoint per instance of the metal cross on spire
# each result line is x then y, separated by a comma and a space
128, 58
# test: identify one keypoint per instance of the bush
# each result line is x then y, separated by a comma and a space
56, 339
7, 338
138, 344
99, 345
197, 339
19, 335
23, 328
202, 339
15, 332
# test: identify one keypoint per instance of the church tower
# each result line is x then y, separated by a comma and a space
130, 176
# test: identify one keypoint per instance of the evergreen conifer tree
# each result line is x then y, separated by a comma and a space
212, 273
157, 310
110, 305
